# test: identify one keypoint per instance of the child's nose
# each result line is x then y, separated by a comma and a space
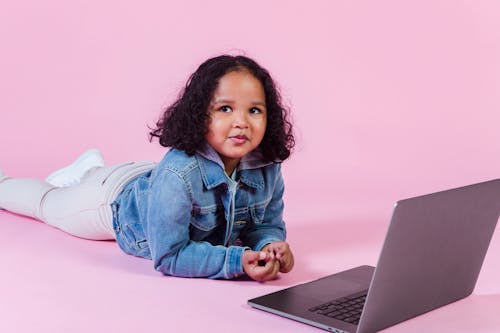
240, 119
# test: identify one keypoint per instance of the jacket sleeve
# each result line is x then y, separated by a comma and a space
172, 251
272, 228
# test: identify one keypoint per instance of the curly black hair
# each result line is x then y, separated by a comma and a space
184, 124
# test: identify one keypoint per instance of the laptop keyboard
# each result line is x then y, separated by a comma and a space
347, 308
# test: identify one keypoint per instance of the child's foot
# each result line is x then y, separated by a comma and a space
73, 173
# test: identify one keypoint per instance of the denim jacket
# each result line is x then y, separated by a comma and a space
192, 220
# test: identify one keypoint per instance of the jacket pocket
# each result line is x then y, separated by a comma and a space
258, 212
207, 218
136, 239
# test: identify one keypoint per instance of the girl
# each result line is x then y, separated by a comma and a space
211, 208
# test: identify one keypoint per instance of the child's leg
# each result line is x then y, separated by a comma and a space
82, 210
23, 195
76, 209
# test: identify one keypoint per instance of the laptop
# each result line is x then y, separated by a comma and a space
432, 254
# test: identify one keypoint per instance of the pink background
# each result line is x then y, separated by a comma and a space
390, 99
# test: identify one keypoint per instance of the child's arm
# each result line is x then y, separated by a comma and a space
271, 228
172, 251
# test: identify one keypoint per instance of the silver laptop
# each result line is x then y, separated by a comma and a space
432, 255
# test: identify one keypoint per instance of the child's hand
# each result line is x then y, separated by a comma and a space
267, 271
282, 253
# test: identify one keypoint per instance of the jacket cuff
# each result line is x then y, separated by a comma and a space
264, 242
234, 262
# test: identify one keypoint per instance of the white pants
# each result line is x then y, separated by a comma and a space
82, 210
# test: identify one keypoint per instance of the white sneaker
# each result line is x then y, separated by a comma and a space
73, 173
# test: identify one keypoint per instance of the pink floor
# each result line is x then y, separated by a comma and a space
52, 282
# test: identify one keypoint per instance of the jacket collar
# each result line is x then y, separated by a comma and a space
212, 168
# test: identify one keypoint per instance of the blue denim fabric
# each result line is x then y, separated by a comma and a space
185, 215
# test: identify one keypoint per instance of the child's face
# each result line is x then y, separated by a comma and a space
238, 117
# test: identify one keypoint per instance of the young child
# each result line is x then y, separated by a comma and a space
212, 207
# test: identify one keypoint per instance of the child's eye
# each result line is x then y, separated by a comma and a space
225, 108
255, 111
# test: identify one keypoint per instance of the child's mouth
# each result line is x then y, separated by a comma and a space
238, 139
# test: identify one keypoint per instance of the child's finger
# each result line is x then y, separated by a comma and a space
253, 257
265, 257
281, 250
286, 263
269, 250
262, 258
270, 270
275, 267
271, 255
261, 272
